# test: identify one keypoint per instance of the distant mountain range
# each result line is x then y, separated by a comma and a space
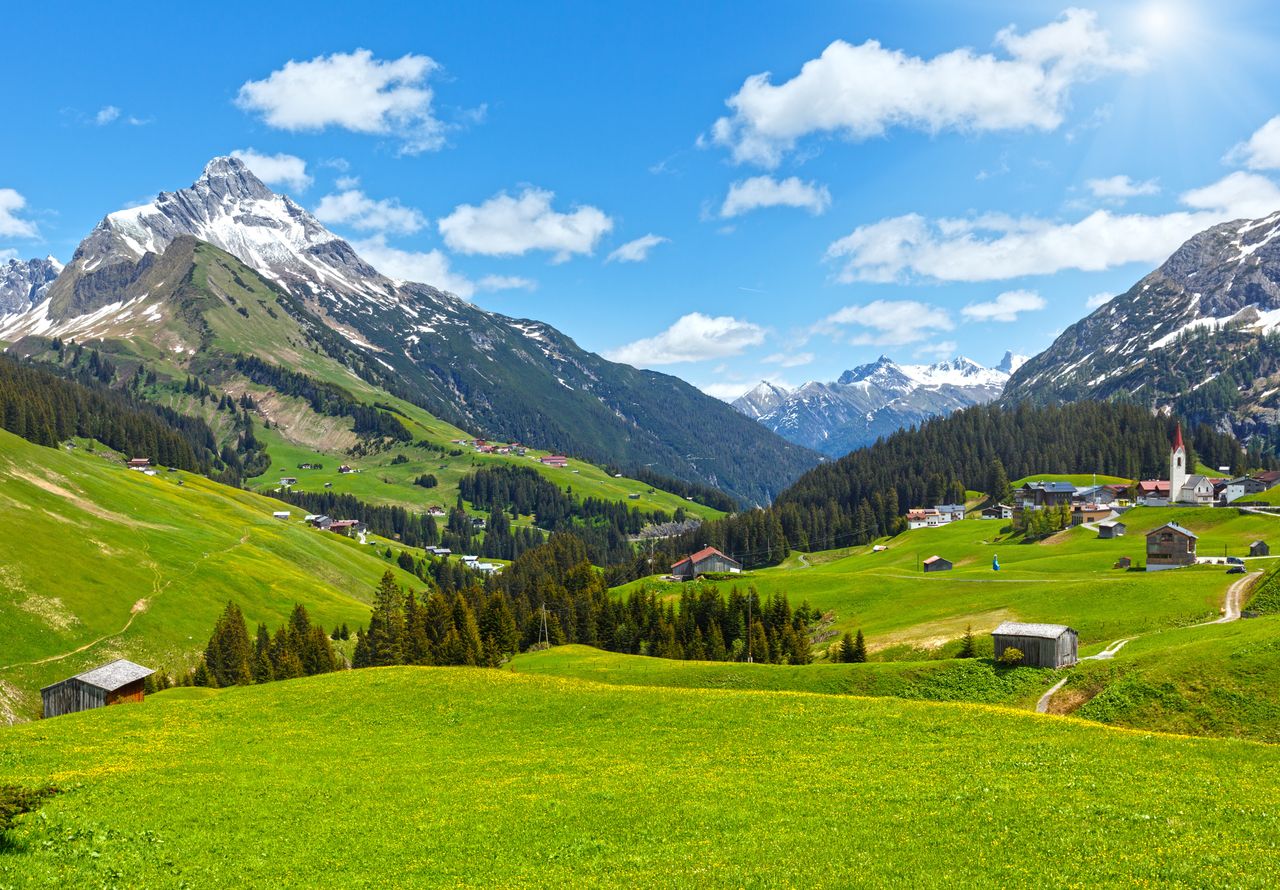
1199, 336
872, 400
508, 378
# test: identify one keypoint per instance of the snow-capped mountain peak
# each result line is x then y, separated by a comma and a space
764, 397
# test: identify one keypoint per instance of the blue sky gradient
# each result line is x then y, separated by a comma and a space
614, 107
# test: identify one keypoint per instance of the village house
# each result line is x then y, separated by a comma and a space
114, 683
310, 466
1244, 486
282, 515
1111, 529
288, 480
706, 560
344, 469
1041, 645
555, 460
1104, 495
139, 463
1170, 547
1039, 495
439, 551
321, 522
950, 512
919, 518
997, 511
937, 564
346, 527
1082, 513
1153, 493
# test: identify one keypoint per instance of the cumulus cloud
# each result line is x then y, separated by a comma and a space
106, 114
277, 169
789, 359
1261, 151
358, 210
512, 226
11, 225
862, 91
352, 91
993, 247
1121, 187
430, 267
693, 338
765, 191
1099, 300
889, 322
636, 251
1005, 307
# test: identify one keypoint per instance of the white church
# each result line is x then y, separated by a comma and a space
1189, 490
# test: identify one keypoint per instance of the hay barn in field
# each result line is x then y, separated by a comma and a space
1041, 645
112, 684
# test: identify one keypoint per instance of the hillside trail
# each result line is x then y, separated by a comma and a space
157, 587
804, 561
1230, 612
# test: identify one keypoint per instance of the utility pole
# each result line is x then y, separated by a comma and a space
749, 597
543, 634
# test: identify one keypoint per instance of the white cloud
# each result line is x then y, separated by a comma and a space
993, 247
765, 191
106, 114
726, 392
345, 183
10, 224
1121, 187
937, 351
862, 91
1005, 307
505, 282
789, 359
693, 338
636, 251
1099, 300
889, 322
1261, 151
277, 169
431, 267
356, 209
353, 91
512, 226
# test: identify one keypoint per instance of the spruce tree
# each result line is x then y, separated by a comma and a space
968, 649
846, 648
859, 648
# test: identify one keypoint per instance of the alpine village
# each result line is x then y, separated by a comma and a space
387, 509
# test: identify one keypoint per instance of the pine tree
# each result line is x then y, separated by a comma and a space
859, 649
968, 649
228, 653
846, 648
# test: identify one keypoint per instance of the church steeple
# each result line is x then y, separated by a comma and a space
1177, 467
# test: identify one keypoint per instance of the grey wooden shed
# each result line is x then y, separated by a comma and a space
113, 683
1041, 645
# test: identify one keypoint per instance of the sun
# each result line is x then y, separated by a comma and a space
1162, 22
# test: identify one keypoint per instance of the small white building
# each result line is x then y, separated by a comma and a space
282, 515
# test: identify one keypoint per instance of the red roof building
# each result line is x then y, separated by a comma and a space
708, 559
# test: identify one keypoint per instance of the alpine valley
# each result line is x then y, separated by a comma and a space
873, 400
146, 280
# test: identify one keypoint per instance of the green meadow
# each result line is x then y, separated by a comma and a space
466, 777
1066, 579
101, 563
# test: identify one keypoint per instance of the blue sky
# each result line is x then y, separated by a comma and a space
726, 192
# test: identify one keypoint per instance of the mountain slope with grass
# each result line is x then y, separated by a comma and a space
105, 563
500, 779
499, 377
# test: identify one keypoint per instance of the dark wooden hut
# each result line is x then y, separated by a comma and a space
1259, 548
112, 684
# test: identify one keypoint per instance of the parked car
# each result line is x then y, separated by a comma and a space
1236, 570
1234, 561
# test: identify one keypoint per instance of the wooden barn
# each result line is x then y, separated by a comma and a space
708, 559
937, 564
1259, 548
1170, 547
112, 684
1041, 645
1111, 529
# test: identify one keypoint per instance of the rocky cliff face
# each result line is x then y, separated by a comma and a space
23, 283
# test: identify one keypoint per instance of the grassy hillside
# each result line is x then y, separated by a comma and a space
495, 779
1079, 480
1215, 680
101, 562
1066, 579
971, 680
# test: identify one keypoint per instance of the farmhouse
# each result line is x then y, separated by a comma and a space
708, 559
1259, 548
139, 463
997, 511
1269, 478
321, 521
555, 460
112, 684
1111, 529
1245, 485
937, 564
1169, 547
310, 466
1082, 513
281, 515
1153, 493
344, 469
288, 480
345, 526
1041, 645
